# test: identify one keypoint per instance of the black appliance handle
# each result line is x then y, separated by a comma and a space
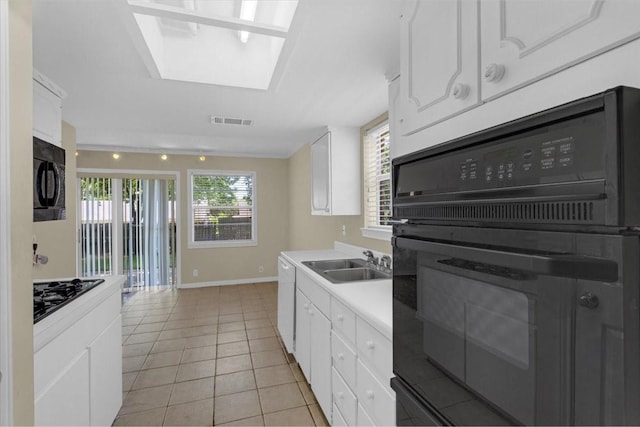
51, 201
571, 266
40, 179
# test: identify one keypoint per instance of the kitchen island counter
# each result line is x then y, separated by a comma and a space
57, 322
78, 359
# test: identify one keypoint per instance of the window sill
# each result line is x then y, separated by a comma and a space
221, 244
379, 233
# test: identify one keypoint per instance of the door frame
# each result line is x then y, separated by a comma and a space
6, 383
139, 174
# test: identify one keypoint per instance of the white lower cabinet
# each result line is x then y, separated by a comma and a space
78, 372
375, 398
105, 374
375, 350
363, 418
338, 420
67, 401
361, 365
321, 358
346, 361
303, 334
344, 399
313, 341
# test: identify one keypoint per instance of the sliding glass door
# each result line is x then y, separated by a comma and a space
127, 226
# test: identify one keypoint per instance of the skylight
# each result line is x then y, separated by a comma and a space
223, 42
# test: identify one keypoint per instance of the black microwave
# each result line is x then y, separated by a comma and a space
48, 181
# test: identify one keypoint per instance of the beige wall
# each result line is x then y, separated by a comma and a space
21, 153
57, 239
308, 231
220, 264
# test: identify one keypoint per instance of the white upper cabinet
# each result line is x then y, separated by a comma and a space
438, 62
456, 55
527, 40
321, 176
335, 173
47, 109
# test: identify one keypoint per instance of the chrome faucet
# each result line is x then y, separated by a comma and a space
371, 260
385, 263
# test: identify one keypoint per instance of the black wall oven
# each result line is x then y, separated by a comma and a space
517, 272
48, 181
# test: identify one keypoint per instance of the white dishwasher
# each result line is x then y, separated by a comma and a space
286, 302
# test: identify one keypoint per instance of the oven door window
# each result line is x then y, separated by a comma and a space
487, 344
494, 337
482, 336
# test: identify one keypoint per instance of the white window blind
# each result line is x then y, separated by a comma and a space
377, 177
222, 208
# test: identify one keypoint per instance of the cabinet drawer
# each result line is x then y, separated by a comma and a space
337, 419
318, 296
363, 417
376, 350
344, 359
343, 320
344, 398
379, 404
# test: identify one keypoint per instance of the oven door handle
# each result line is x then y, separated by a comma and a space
572, 266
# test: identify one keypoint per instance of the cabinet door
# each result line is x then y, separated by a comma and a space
394, 112
105, 369
303, 340
527, 40
47, 115
438, 62
65, 402
321, 176
286, 302
321, 359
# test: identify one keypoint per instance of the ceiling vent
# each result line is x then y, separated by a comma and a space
217, 120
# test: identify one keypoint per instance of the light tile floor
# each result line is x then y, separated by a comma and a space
210, 356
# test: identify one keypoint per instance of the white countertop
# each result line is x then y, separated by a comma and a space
371, 300
60, 320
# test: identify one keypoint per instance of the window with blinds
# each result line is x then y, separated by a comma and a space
377, 170
222, 208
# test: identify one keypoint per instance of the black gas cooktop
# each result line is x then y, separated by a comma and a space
50, 296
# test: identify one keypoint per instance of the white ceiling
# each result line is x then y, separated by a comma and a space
335, 61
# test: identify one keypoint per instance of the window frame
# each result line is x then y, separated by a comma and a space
204, 244
373, 231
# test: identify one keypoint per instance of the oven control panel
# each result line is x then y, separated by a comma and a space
559, 153
507, 164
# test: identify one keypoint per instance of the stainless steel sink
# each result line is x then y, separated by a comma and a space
354, 275
346, 270
334, 264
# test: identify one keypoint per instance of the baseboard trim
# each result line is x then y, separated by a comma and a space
228, 282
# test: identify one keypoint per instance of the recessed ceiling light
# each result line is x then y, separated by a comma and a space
164, 157
77, 154
202, 158
116, 156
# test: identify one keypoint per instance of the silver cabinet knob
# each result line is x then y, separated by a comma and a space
460, 91
494, 73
